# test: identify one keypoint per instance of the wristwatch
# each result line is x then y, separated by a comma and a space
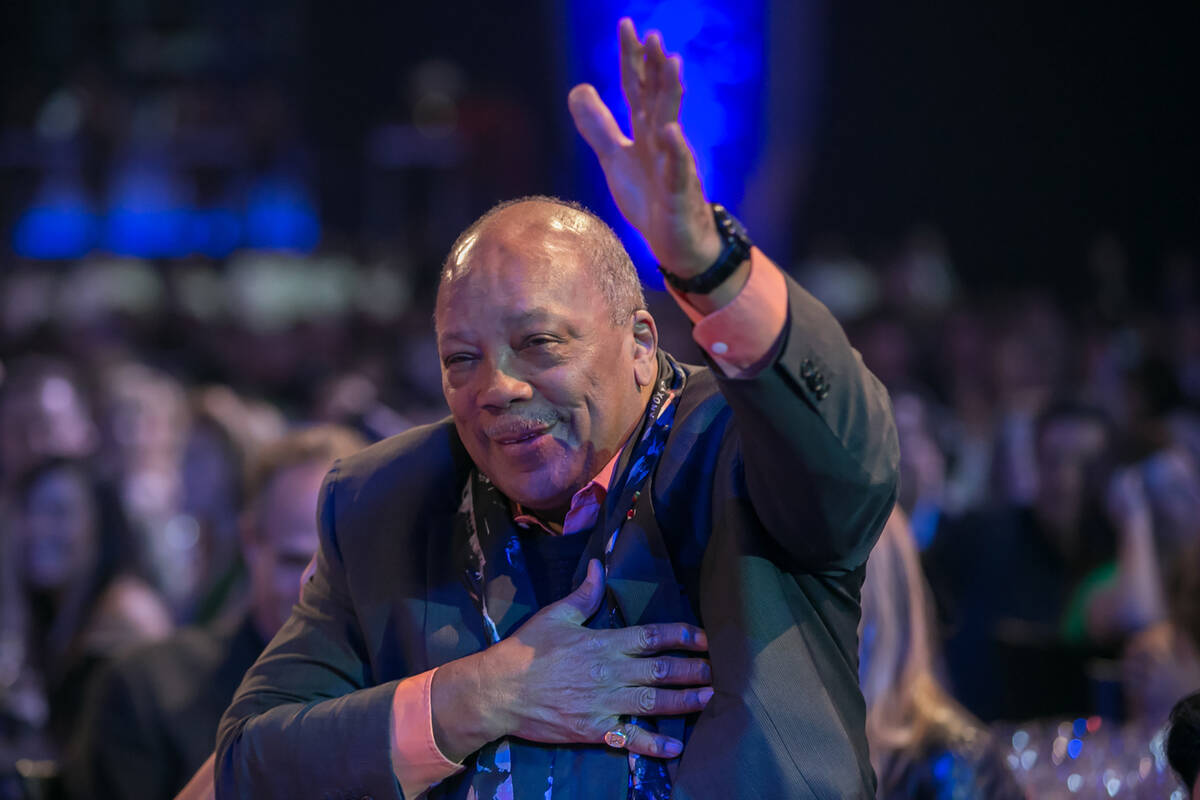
736, 250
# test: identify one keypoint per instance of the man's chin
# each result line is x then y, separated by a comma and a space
543, 505
534, 491
540, 485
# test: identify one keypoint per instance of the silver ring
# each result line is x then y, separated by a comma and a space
616, 738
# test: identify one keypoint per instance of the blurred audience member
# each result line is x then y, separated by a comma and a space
1149, 393
1153, 588
963, 355
921, 279
1030, 368
1183, 742
352, 399
1123, 596
225, 430
151, 719
1172, 481
81, 600
44, 413
145, 419
1162, 663
1004, 579
923, 743
922, 465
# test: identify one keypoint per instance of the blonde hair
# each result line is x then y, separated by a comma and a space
322, 444
907, 708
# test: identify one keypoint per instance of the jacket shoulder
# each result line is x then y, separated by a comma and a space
420, 457
413, 475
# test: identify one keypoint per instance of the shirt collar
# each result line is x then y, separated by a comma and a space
592, 495
595, 490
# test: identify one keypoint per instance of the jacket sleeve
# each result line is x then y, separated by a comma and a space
307, 720
816, 440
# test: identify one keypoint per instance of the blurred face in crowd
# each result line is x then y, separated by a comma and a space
147, 418
922, 465
280, 540
1070, 451
60, 529
543, 386
1173, 488
45, 417
209, 472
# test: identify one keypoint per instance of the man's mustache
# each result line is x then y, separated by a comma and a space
513, 427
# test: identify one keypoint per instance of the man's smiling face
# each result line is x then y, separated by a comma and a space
543, 386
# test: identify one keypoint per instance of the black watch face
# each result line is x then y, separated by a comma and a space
732, 229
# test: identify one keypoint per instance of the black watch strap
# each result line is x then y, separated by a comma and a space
736, 250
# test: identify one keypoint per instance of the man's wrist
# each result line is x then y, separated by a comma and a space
724, 249
466, 714
724, 294
702, 256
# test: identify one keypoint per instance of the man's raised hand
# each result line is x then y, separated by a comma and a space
652, 176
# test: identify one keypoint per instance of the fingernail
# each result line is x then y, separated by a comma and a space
705, 694
673, 748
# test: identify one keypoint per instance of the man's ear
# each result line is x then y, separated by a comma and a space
645, 348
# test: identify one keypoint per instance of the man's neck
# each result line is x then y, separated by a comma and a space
553, 519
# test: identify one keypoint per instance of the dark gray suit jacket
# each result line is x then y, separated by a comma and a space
150, 718
769, 495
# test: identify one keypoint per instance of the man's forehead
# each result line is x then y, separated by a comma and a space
517, 228
461, 320
515, 286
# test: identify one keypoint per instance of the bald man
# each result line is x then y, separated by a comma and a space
607, 574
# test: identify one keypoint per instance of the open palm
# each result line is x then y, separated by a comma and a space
652, 176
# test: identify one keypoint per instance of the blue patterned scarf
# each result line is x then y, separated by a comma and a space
640, 588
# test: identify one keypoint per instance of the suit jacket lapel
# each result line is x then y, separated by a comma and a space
640, 573
507, 588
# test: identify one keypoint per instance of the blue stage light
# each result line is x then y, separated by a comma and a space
58, 225
280, 216
147, 217
724, 62
214, 232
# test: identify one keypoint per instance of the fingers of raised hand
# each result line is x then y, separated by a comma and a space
676, 161
662, 91
595, 121
633, 66
641, 640
672, 91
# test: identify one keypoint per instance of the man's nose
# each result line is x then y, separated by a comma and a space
503, 386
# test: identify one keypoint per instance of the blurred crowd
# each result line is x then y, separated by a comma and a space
184, 350
1040, 570
221, 280
1049, 468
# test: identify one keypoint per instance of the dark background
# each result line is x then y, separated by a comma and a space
1023, 131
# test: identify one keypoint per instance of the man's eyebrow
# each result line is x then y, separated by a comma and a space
517, 319
449, 335
533, 315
